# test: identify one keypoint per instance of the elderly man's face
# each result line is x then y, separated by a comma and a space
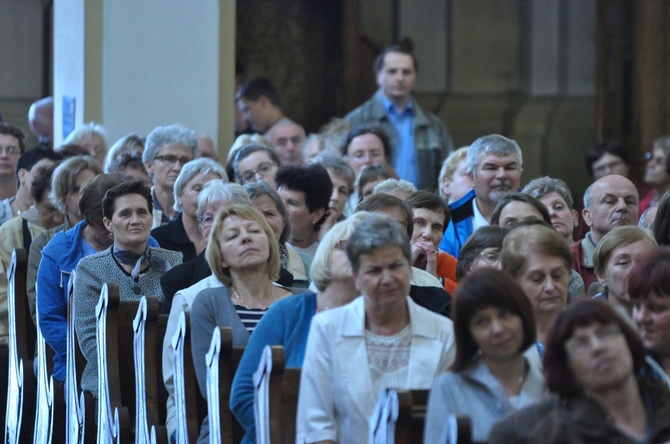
287, 139
614, 203
496, 176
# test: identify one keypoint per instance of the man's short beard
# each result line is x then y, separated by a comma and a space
496, 195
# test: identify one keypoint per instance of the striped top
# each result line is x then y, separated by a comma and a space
250, 317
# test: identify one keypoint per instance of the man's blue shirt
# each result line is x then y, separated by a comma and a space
404, 155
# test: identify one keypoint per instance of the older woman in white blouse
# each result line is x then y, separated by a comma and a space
380, 340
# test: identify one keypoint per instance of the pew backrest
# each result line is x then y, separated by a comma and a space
21, 382
113, 416
79, 405
276, 389
222, 361
191, 406
150, 394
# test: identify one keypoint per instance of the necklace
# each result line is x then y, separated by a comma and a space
237, 296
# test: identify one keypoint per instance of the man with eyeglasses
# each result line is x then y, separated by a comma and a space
167, 150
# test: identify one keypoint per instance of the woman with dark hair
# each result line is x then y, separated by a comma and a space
131, 262
366, 145
306, 191
649, 289
519, 207
594, 362
61, 256
481, 250
253, 162
490, 377
372, 175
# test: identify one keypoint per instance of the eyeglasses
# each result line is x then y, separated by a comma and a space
10, 150
578, 345
168, 158
206, 220
491, 257
263, 169
658, 160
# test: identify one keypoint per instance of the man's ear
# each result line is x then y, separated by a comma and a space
586, 214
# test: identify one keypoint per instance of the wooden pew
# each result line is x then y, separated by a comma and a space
400, 416
21, 382
79, 405
116, 374
150, 394
191, 406
222, 361
275, 397
49, 413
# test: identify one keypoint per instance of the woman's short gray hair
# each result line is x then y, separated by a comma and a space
84, 130
171, 134
64, 179
220, 191
337, 166
542, 186
126, 144
197, 167
262, 188
377, 231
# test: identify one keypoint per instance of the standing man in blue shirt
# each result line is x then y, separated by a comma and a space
419, 138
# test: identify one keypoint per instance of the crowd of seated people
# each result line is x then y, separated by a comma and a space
375, 254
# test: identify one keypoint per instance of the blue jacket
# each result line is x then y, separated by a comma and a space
286, 323
59, 257
460, 226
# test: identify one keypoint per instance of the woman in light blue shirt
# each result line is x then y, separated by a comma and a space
490, 377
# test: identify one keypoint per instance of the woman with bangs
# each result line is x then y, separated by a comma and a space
595, 362
490, 377
287, 322
243, 255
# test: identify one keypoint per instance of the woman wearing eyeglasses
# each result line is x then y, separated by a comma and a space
482, 250
657, 173
183, 232
167, 150
594, 361
254, 162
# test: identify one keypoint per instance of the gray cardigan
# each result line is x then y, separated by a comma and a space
91, 274
212, 308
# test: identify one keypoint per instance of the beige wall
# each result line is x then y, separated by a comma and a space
132, 66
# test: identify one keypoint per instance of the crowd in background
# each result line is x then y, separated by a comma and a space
375, 252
